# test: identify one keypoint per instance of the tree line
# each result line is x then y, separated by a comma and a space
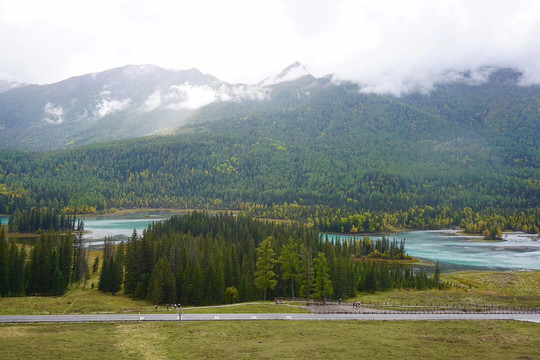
36, 219
50, 267
202, 259
489, 222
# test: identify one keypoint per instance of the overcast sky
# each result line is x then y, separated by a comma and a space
385, 45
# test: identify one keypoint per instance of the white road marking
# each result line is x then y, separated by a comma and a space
216, 317
253, 317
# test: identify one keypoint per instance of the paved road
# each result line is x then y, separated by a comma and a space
251, 317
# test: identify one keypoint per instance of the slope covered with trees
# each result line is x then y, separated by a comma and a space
322, 148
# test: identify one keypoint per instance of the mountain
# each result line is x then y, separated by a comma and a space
10, 85
130, 101
292, 72
312, 142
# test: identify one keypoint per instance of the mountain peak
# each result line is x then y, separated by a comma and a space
8, 85
295, 66
292, 72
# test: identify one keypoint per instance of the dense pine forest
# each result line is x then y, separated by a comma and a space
54, 263
318, 152
202, 259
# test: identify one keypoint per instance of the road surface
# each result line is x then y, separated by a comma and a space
250, 317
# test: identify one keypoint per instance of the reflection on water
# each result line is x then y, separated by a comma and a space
517, 251
120, 229
454, 251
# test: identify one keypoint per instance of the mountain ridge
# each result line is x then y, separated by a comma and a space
140, 100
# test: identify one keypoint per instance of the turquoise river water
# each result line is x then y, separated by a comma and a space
517, 251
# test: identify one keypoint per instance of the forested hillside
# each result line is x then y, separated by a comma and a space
315, 144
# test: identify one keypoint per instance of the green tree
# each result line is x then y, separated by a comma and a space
323, 284
132, 262
81, 270
231, 295
265, 275
58, 284
290, 261
306, 271
110, 279
65, 259
162, 288
16, 269
4, 281
95, 265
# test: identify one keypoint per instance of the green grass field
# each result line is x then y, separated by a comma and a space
274, 340
87, 301
508, 289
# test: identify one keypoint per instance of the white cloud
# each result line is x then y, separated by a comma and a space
106, 107
187, 96
390, 46
228, 92
190, 97
399, 47
153, 101
54, 114
105, 92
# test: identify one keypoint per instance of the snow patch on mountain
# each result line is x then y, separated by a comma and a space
292, 72
10, 85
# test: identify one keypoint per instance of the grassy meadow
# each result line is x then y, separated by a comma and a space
507, 289
273, 340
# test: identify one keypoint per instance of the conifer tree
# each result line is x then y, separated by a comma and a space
110, 279
265, 275
65, 259
132, 265
57, 286
197, 289
16, 269
290, 261
323, 284
4, 281
162, 288
81, 270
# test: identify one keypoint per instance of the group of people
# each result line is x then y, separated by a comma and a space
356, 304
173, 306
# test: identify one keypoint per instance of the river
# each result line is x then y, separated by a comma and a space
517, 251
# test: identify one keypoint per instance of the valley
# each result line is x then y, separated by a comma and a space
309, 154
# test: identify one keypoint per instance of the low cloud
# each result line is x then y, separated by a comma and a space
398, 47
106, 107
54, 114
152, 102
385, 46
190, 97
